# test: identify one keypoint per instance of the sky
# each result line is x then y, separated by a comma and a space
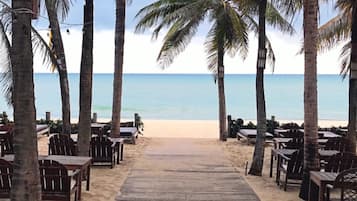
141, 51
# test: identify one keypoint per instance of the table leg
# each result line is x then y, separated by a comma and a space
277, 179
117, 147
80, 184
88, 178
321, 192
271, 164
122, 151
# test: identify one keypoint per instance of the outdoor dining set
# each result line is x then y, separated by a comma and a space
62, 170
338, 167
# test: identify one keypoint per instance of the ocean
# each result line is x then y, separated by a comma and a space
193, 97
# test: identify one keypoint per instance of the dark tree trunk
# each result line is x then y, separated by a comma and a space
221, 95
118, 66
86, 74
258, 157
61, 65
352, 110
26, 179
311, 156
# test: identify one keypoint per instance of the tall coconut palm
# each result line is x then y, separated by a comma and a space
25, 182
118, 66
86, 74
258, 157
340, 29
353, 82
266, 12
311, 156
52, 7
228, 33
183, 18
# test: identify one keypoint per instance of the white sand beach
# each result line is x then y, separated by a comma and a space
106, 182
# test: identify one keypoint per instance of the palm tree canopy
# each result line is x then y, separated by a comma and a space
231, 21
39, 46
338, 30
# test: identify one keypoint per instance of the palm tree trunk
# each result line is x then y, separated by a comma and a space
118, 66
26, 177
258, 157
352, 110
61, 65
221, 95
85, 93
311, 156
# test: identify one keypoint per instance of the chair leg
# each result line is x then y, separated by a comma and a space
286, 182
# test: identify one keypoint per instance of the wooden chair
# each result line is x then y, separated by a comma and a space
7, 145
6, 172
294, 143
340, 162
56, 183
61, 145
292, 133
338, 144
102, 151
292, 167
346, 181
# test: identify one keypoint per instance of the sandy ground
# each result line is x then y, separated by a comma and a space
106, 182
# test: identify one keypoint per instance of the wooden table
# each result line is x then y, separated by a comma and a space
82, 163
128, 133
251, 134
97, 128
320, 179
278, 141
42, 129
278, 153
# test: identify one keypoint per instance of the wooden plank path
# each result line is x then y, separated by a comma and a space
184, 170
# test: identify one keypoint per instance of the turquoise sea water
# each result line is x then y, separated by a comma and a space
157, 96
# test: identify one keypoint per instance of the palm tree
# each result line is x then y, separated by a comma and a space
231, 22
86, 74
228, 33
258, 157
26, 182
311, 156
340, 28
118, 66
62, 6
353, 82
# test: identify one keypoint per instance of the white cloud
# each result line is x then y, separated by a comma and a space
141, 52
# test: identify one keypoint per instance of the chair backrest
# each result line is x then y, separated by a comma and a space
347, 182
294, 143
61, 145
338, 144
295, 165
54, 180
6, 171
292, 133
7, 145
101, 149
341, 161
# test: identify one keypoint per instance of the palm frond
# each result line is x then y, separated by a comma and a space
235, 32
270, 53
155, 13
62, 7
336, 30
176, 40
40, 46
275, 19
345, 60
211, 47
6, 69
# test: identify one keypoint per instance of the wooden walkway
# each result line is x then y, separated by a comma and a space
184, 170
